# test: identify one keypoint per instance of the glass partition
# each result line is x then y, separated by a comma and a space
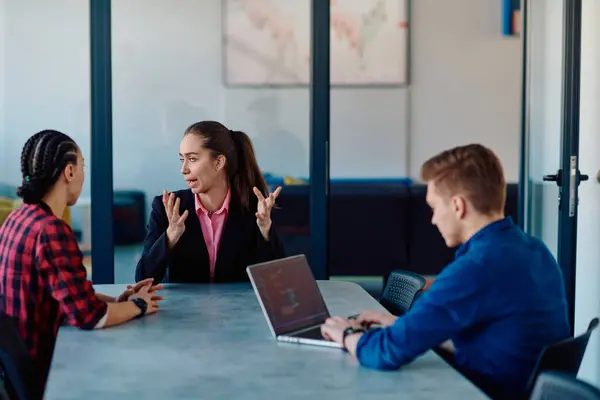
44, 84
369, 140
178, 62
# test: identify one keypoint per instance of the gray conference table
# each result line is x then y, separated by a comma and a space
212, 342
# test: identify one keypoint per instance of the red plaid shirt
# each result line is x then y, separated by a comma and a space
43, 281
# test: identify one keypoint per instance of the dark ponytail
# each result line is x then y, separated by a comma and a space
242, 169
44, 157
248, 172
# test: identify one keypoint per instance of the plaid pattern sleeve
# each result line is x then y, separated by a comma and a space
61, 266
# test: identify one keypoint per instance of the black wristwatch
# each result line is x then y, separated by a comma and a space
350, 331
141, 303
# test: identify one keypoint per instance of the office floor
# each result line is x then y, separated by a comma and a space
126, 258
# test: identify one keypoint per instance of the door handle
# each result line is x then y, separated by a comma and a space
555, 178
558, 177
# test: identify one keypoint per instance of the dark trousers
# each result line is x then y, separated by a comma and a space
491, 389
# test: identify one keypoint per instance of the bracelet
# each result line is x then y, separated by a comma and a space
350, 331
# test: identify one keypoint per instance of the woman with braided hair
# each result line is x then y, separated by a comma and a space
42, 278
212, 231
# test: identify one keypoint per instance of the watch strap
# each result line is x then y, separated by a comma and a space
350, 331
141, 304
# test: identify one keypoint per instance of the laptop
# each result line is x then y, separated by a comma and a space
291, 300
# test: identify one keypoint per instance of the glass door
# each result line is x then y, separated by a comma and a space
550, 174
587, 298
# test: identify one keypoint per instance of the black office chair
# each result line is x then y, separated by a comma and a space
564, 356
558, 386
400, 291
16, 368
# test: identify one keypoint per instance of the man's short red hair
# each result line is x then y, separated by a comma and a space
472, 170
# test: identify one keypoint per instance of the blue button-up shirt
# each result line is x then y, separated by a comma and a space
500, 301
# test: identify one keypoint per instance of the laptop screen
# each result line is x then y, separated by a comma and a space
289, 294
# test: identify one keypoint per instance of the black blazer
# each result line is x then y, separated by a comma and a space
241, 245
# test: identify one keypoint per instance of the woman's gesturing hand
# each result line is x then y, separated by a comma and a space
263, 210
176, 221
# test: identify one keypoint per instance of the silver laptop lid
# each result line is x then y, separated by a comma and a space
288, 294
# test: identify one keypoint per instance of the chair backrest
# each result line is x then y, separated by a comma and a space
400, 291
564, 356
20, 378
553, 385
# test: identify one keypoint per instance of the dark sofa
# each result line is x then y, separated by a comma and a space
375, 227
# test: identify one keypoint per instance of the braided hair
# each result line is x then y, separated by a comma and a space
44, 157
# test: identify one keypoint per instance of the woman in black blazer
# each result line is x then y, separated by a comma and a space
212, 231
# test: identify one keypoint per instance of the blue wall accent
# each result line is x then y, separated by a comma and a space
508, 7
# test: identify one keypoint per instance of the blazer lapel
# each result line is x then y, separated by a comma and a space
233, 233
193, 230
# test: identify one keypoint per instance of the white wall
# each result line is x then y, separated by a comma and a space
368, 125
587, 301
47, 74
167, 73
467, 80
3, 149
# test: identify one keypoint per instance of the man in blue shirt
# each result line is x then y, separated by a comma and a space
494, 308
